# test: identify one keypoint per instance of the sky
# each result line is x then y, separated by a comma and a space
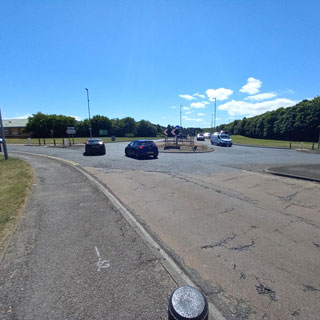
152, 59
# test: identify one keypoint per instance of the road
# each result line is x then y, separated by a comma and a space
74, 256
251, 241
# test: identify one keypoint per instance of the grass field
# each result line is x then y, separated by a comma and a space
273, 143
50, 141
16, 177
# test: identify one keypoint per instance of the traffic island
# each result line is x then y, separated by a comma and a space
184, 148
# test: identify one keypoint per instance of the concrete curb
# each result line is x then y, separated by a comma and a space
288, 175
263, 147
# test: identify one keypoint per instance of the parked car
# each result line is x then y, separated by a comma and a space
221, 139
141, 148
207, 135
94, 146
200, 137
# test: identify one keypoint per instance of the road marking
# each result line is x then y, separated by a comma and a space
50, 157
97, 251
101, 264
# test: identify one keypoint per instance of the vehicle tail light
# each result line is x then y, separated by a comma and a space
156, 146
87, 142
141, 147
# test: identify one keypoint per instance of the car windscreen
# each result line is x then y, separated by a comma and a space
146, 143
94, 141
224, 136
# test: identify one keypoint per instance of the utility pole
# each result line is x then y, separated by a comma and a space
90, 128
214, 113
5, 151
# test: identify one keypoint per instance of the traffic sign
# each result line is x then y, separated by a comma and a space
71, 130
165, 131
175, 131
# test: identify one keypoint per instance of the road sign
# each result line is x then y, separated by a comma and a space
71, 130
175, 131
165, 131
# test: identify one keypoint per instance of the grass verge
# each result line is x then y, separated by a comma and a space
16, 177
273, 143
50, 141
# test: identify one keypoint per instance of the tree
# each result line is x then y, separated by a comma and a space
41, 125
146, 129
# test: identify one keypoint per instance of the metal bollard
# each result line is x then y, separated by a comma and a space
188, 303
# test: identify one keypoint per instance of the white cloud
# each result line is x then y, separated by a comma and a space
191, 119
219, 94
173, 107
186, 96
199, 95
252, 87
201, 114
261, 96
186, 108
188, 112
26, 116
252, 109
77, 118
198, 105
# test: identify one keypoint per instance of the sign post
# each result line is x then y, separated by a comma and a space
70, 131
5, 151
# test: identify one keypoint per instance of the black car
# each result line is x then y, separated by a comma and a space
141, 148
94, 146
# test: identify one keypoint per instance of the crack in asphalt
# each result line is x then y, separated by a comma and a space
220, 243
264, 290
307, 287
243, 247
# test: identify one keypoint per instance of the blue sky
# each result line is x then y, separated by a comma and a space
144, 59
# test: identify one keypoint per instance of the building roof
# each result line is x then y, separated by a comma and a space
14, 123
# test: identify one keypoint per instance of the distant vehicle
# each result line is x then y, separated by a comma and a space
141, 148
94, 146
200, 137
221, 139
207, 135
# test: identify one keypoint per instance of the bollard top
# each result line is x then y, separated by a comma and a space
188, 302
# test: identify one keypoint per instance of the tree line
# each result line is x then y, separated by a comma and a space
41, 125
298, 123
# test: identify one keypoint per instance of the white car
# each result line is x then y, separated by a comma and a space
200, 137
221, 139
207, 135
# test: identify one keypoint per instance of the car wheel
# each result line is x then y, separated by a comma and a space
155, 156
126, 153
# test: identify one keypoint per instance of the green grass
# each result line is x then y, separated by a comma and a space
16, 177
272, 143
50, 141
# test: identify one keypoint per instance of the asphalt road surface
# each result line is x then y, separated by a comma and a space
249, 240
75, 257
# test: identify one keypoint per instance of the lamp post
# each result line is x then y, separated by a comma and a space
181, 105
90, 128
3, 139
215, 112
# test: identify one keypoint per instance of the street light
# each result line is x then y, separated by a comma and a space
90, 128
3, 140
215, 112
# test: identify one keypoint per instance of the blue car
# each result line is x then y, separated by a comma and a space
141, 148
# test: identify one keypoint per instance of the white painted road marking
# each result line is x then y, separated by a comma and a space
101, 264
